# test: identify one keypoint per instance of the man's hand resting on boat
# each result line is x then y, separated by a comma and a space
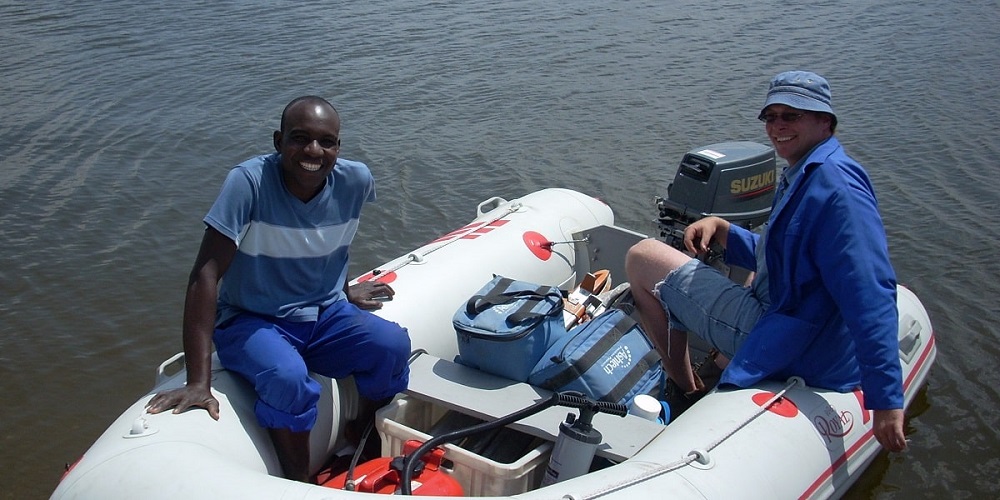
183, 399
369, 295
888, 428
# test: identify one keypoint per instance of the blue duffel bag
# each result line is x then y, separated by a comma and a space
507, 326
608, 358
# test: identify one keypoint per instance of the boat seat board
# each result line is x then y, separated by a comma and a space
488, 397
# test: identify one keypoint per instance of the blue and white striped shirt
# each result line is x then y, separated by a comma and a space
292, 256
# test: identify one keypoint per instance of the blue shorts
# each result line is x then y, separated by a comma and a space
701, 300
277, 355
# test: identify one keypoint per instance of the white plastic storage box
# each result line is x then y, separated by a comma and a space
410, 418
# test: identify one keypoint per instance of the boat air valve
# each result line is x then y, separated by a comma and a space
140, 428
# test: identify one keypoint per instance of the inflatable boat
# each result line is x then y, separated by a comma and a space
779, 439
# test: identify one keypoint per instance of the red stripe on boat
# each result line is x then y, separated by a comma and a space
868, 436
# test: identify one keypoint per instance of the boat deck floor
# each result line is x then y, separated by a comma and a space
488, 397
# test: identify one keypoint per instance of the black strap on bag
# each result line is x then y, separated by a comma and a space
530, 298
650, 360
596, 351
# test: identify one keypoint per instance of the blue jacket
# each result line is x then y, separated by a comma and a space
833, 317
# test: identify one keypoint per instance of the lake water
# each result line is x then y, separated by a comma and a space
120, 120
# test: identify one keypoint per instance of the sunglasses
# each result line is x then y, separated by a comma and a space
787, 117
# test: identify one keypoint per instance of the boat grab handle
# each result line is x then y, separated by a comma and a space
910, 341
492, 204
161, 371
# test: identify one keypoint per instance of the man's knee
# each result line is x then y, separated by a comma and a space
392, 341
650, 260
398, 352
388, 370
636, 260
288, 387
640, 252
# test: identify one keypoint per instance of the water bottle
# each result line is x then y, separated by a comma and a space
651, 409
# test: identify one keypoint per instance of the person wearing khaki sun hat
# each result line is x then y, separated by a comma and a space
822, 301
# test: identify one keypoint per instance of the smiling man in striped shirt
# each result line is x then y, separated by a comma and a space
278, 238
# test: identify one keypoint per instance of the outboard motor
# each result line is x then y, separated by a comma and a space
732, 180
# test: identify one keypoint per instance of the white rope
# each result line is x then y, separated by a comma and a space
414, 257
693, 455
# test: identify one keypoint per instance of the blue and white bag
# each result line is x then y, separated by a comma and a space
608, 358
507, 326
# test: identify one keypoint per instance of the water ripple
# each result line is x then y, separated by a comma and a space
122, 118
